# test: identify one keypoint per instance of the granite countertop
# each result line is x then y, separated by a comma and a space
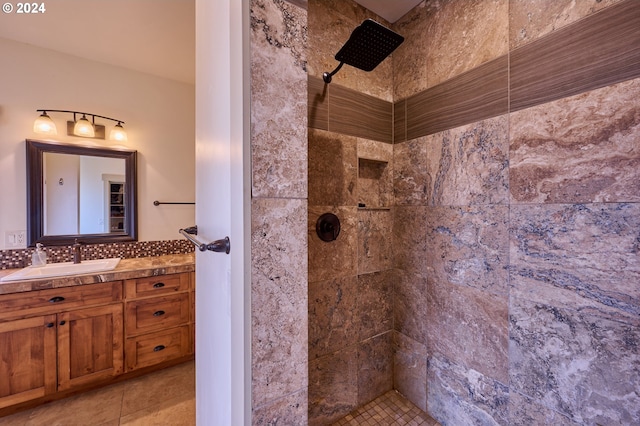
126, 269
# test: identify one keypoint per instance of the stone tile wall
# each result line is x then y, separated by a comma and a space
507, 297
351, 281
517, 236
279, 366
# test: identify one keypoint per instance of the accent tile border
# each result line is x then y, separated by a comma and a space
317, 104
21, 258
598, 51
472, 96
342, 110
357, 114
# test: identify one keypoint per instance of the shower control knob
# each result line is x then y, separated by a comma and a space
328, 227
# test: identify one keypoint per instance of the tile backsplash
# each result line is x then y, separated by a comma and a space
20, 258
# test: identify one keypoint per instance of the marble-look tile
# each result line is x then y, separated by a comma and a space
410, 305
410, 58
375, 367
411, 178
462, 35
338, 258
375, 241
410, 369
279, 298
330, 25
532, 19
333, 386
460, 396
524, 411
291, 410
278, 99
170, 384
582, 256
375, 150
469, 327
333, 169
470, 164
375, 173
375, 304
410, 239
332, 315
578, 149
583, 366
469, 246
375, 187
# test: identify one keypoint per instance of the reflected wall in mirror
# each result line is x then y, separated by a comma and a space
82, 192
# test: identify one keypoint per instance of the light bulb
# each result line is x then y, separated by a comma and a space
84, 128
118, 133
45, 125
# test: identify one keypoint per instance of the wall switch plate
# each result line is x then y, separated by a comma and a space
13, 239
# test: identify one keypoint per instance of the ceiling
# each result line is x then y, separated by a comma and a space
151, 36
391, 10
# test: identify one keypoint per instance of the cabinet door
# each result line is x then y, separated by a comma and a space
90, 345
27, 359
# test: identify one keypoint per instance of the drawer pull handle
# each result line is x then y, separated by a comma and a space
49, 325
158, 285
159, 348
158, 313
63, 322
56, 299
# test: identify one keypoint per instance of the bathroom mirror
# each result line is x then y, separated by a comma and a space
80, 192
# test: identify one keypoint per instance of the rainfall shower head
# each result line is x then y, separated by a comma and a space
369, 44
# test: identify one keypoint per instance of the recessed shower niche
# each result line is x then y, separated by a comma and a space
374, 184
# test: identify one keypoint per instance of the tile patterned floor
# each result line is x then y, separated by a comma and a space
388, 410
165, 397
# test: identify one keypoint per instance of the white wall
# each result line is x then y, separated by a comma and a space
61, 194
160, 123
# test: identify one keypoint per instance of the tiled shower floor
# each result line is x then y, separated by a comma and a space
167, 397
388, 410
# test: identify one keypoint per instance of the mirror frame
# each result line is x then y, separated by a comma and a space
35, 193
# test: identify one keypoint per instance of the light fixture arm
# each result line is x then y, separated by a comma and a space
93, 116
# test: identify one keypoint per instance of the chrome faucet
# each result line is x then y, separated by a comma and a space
77, 252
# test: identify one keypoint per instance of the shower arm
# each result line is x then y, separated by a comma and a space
327, 75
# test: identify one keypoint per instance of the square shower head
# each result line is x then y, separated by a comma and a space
369, 44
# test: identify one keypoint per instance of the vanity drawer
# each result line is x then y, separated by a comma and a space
155, 286
59, 299
156, 313
154, 348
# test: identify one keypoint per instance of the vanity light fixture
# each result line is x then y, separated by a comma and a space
84, 128
45, 125
118, 133
80, 127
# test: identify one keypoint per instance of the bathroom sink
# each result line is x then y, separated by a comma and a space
63, 269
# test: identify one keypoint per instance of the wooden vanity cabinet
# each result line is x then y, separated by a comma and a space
55, 342
56, 339
158, 323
